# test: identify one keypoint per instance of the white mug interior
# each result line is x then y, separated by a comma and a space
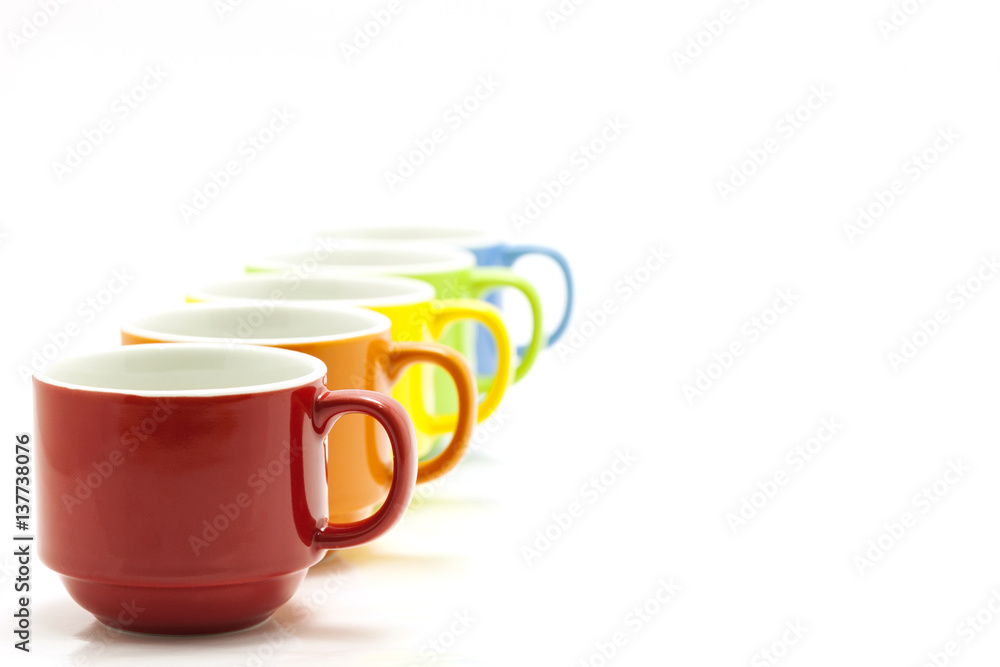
456, 236
185, 370
363, 291
258, 324
366, 258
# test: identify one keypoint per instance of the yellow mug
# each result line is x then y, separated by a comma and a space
415, 314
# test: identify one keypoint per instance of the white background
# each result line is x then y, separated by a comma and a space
621, 391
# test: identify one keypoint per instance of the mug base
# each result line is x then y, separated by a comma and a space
184, 610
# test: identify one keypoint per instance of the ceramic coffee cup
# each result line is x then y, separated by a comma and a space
415, 314
489, 251
187, 483
359, 353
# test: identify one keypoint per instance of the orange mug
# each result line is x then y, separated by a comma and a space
359, 353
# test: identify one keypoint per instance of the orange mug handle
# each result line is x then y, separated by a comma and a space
403, 355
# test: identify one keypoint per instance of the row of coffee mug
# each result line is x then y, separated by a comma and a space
198, 471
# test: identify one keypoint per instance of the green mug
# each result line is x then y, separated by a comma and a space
451, 271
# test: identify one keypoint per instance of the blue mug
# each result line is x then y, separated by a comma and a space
488, 251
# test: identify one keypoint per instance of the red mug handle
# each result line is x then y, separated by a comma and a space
332, 405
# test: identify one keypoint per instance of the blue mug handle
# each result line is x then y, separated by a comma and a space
514, 252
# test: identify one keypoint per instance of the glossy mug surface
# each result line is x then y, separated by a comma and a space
415, 314
186, 484
359, 353
488, 251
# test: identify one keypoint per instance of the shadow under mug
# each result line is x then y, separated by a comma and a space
415, 314
489, 251
187, 482
359, 353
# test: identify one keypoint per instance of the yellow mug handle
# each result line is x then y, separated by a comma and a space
444, 313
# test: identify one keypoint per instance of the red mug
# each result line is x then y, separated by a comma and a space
187, 482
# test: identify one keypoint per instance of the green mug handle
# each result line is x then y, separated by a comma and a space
488, 279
